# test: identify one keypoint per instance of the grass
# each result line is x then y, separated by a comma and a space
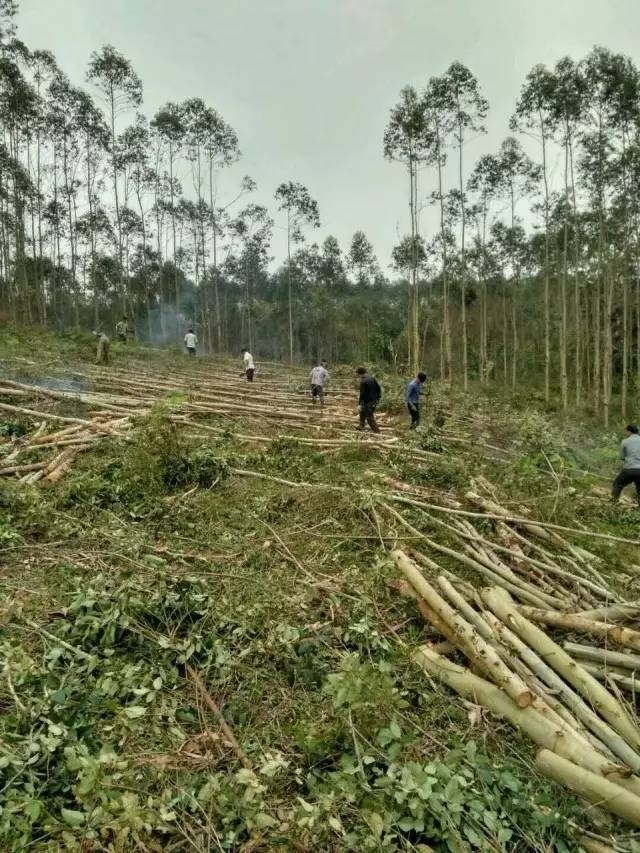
150, 557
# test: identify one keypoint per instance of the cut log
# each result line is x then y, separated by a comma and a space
628, 661
612, 613
458, 631
571, 699
571, 622
598, 696
542, 731
624, 680
594, 788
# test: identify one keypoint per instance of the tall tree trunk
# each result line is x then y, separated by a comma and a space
413, 335
445, 278
564, 381
547, 308
463, 265
576, 283
216, 287
289, 286
116, 197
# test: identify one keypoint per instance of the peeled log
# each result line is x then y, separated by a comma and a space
572, 622
603, 655
598, 696
602, 792
458, 631
542, 731
612, 612
625, 682
566, 694
467, 610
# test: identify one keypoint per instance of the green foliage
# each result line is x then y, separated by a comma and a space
12, 428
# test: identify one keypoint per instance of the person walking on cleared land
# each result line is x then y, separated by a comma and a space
191, 342
412, 397
630, 456
319, 378
370, 394
104, 345
249, 365
122, 329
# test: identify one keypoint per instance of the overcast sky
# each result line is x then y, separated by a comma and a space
308, 84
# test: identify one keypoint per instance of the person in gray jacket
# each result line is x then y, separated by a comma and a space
630, 456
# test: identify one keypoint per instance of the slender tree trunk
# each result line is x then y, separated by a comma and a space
504, 333
116, 197
176, 280
547, 308
216, 288
289, 286
576, 283
463, 266
413, 340
564, 382
445, 280
624, 381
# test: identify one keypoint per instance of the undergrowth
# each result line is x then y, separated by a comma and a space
152, 559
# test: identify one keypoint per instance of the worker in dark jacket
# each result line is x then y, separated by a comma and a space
370, 393
412, 396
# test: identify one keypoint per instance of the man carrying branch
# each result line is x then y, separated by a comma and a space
370, 394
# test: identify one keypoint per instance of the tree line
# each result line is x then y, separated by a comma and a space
532, 274
557, 302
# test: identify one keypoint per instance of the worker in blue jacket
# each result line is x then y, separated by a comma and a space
412, 397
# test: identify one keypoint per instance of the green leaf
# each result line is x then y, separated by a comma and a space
135, 711
72, 817
262, 820
395, 729
376, 823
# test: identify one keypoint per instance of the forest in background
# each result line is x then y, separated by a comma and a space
532, 277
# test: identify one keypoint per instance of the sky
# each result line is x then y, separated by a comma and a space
308, 84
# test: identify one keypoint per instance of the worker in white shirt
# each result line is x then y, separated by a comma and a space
104, 345
249, 366
319, 377
191, 342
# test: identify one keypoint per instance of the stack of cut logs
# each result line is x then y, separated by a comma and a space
586, 731
192, 397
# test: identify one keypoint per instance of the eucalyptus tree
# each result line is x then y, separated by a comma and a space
331, 269
468, 109
301, 211
568, 106
362, 259
169, 124
17, 115
535, 115
611, 91
221, 149
518, 177
624, 105
135, 159
439, 128
120, 87
43, 69
253, 229
408, 139
484, 182
93, 129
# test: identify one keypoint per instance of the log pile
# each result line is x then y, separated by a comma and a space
560, 695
